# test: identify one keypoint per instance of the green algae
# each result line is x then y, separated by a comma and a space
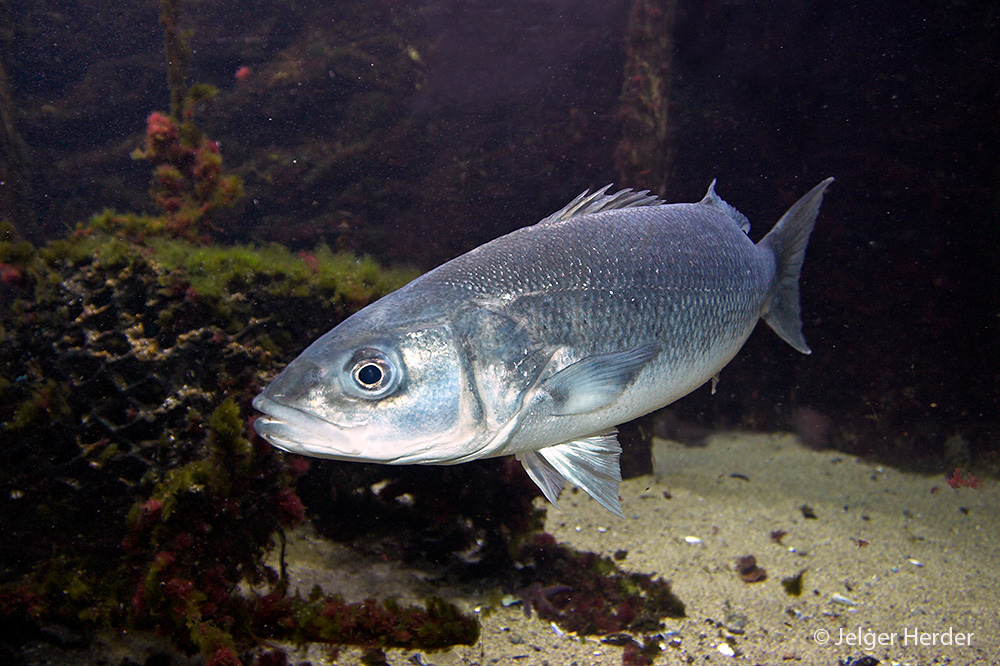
46, 402
217, 271
793, 584
13, 250
112, 346
205, 527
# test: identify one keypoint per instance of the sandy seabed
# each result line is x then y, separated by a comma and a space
895, 566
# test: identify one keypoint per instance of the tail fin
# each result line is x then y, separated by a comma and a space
787, 240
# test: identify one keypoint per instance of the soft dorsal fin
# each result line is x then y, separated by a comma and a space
595, 202
713, 199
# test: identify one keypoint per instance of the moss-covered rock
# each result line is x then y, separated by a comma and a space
132, 490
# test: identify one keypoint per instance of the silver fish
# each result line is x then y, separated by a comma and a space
540, 342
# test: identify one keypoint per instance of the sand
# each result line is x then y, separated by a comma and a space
897, 566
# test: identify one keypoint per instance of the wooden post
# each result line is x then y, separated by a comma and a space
645, 153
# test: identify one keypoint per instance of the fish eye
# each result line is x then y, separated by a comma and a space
372, 374
369, 375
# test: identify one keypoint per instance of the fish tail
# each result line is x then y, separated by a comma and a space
787, 241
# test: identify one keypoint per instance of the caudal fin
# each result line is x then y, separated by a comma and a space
787, 240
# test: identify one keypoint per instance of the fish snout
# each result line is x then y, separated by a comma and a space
296, 431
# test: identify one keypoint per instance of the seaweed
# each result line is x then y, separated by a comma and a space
369, 623
205, 528
188, 182
793, 584
124, 506
589, 594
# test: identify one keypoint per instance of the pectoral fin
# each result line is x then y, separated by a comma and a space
597, 381
591, 464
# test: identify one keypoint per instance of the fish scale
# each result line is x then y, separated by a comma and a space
539, 343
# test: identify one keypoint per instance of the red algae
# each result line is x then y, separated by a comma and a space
589, 594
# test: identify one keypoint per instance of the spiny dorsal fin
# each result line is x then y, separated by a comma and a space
713, 199
595, 202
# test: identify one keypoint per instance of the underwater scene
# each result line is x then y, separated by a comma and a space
533, 332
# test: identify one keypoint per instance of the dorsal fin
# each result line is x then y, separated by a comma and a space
713, 199
596, 202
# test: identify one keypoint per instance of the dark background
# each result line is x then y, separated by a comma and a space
416, 131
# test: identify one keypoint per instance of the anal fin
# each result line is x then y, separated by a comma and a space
591, 464
544, 475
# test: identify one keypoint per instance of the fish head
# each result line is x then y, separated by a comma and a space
387, 394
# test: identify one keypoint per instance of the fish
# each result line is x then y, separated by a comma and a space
539, 342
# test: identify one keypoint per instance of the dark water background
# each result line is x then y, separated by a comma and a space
415, 131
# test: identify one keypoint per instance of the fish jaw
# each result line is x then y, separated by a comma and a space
297, 431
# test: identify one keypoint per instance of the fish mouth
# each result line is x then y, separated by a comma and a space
296, 431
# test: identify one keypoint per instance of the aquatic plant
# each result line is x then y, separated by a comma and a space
369, 623
177, 54
793, 584
15, 255
13, 249
110, 359
589, 594
957, 480
188, 182
204, 529
748, 569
